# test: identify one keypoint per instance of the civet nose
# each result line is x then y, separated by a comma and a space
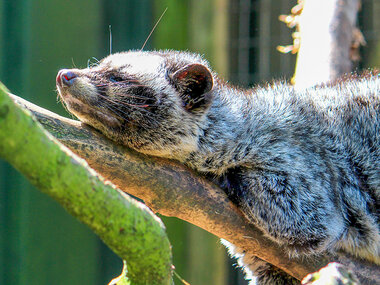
65, 77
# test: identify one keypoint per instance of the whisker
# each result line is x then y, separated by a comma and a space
132, 96
132, 85
137, 97
127, 80
139, 106
63, 103
91, 64
151, 32
72, 60
113, 100
118, 111
110, 30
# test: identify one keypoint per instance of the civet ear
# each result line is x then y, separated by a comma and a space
194, 83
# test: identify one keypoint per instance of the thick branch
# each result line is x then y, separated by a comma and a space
173, 190
128, 227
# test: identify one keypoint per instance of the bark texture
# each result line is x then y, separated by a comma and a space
127, 226
171, 189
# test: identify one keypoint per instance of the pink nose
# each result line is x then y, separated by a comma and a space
65, 77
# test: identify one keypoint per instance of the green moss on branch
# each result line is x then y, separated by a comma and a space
128, 227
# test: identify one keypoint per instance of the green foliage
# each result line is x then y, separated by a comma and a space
128, 227
172, 32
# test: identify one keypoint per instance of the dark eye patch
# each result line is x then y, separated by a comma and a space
114, 78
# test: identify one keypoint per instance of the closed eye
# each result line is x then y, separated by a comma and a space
115, 78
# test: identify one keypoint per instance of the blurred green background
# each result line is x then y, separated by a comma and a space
39, 242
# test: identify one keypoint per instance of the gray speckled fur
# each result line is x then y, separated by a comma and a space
303, 166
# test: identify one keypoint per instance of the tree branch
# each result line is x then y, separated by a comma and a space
172, 189
127, 226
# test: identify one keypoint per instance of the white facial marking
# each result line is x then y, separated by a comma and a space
136, 62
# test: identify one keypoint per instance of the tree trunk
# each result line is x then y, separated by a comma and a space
326, 32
